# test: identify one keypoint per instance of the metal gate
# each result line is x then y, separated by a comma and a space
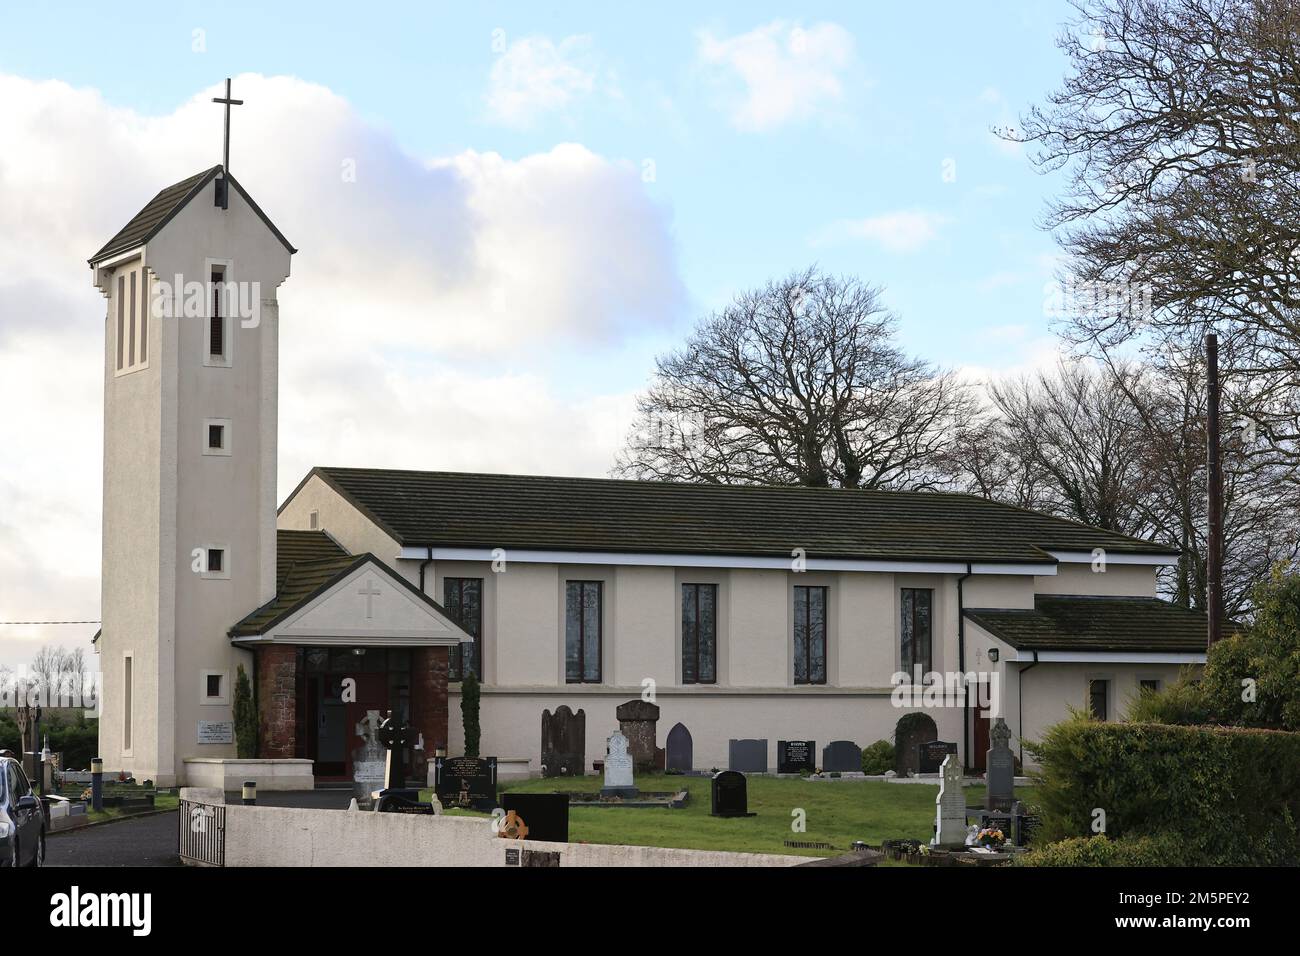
202, 836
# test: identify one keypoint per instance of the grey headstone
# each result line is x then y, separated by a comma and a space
1001, 775
747, 756
681, 748
915, 731
841, 756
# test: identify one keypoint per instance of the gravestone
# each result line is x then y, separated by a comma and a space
619, 781
730, 794
841, 756
396, 797
796, 756
564, 742
1023, 825
950, 806
638, 721
681, 749
1001, 776
368, 759
931, 755
747, 756
537, 816
910, 732
469, 783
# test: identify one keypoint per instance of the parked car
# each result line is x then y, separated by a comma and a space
22, 819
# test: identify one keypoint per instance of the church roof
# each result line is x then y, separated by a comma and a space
159, 211
1085, 623
453, 509
309, 563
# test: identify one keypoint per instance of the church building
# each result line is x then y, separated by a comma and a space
742, 612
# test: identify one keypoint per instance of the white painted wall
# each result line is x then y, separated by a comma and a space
284, 836
163, 497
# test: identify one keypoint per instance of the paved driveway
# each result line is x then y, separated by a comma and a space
148, 841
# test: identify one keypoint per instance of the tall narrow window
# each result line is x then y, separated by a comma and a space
809, 635
121, 320
144, 317
126, 704
1098, 694
915, 631
130, 352
463, 599
699, 633
217, 321
582, 632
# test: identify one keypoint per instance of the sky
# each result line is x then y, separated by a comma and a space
503, 211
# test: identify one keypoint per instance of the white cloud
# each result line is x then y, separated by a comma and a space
536, 76
903, 230
778, 72
427, 299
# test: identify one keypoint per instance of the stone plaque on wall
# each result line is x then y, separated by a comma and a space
216, 731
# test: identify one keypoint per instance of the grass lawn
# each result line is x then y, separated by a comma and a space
161, 801
837, 812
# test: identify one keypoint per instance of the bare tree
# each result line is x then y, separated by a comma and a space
1122, 446
1178, 128
798, 383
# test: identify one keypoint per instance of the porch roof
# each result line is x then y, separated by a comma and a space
1086, 623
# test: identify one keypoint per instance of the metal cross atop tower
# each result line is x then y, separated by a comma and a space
223, 188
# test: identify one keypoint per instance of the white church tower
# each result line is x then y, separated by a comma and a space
190, 405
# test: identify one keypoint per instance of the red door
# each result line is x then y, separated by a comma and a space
978, 759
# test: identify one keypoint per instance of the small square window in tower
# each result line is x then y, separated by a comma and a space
216, 560
217, 437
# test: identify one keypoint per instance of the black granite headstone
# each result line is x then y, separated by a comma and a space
930, 755
546, 815
796, 756
842, 756
747, 756
466, 782
730, 794
681, 749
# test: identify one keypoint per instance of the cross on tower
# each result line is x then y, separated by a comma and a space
370, 592
223, 188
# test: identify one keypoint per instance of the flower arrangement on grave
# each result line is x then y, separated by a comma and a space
990, 837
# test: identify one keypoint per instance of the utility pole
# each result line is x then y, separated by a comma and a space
1214, 492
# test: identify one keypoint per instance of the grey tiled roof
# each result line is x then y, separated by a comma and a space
145, 224
453, 509
1086, 623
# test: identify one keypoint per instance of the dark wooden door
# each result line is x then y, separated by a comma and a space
980, 725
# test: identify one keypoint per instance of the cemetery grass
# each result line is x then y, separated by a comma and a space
837, 813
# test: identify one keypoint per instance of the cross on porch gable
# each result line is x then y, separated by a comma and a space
370, 592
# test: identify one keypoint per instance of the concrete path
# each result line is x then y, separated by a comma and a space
148, 841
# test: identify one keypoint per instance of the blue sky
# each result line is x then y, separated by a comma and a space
546, 199
924, 85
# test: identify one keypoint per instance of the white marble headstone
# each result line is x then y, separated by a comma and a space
950, 813
618, 763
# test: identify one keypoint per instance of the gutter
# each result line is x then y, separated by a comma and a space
961, 666
1020, 705
428, 559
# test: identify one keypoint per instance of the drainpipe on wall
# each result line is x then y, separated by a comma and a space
1020, 706
961, 666
424, 564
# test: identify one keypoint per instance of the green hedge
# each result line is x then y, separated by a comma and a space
1228, 795
1163, 850
878, 758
